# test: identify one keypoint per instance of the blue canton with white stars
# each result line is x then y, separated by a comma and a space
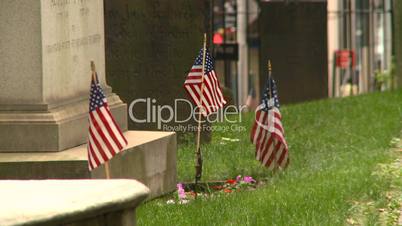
274, 95
209, 65
96, 98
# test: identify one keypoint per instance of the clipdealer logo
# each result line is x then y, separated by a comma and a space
167, 114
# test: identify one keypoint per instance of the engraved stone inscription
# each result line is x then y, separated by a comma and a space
72, 36
74, 43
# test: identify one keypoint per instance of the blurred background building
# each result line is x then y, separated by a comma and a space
318, 48
236, 46
361, 31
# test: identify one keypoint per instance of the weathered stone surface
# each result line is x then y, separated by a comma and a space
294, 37
150, 157
54, 130
20, 58
46, 47
70, 202
151, 45
397, 27
152, 161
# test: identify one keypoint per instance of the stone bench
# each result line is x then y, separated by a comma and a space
70, 202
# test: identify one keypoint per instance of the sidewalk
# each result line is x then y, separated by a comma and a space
399, 146
398, 149
400, 219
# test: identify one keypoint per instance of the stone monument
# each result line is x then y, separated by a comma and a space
46, 47
152, 45
293, 35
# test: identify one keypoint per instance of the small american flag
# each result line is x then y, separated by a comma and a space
212, 97
268, 133
105, 138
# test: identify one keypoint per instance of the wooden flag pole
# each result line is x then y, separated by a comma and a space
93, 70
198, 156
107, 170
269, 79
270, 97
94, 78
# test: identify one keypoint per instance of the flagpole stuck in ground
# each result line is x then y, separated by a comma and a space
267, 133
269, 100
269, 78
94, 78
198, 156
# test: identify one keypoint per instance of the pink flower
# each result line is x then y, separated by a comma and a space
248, 179
180, 191
238, 178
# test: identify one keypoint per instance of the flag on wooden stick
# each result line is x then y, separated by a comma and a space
203, 87
211, 97
267, 132
105, 138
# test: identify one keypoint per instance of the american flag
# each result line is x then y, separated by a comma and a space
105, 138
268, 133
212, 97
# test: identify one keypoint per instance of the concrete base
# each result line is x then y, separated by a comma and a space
70, 202
150, 157
44, 128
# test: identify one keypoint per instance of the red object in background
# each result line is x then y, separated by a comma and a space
218, 39
345, 57
231, 181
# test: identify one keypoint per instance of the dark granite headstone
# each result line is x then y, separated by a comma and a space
150, 47
397, 26
294, 37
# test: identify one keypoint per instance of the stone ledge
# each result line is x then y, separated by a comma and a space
62, 202
150, 157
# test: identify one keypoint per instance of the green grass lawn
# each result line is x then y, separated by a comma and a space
334, 147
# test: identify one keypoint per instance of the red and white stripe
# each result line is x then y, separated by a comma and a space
105, 138
212, 98
268, 136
